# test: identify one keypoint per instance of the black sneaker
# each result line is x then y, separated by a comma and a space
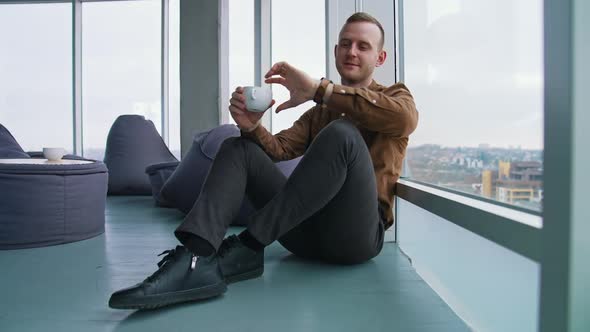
181, 277
238, 262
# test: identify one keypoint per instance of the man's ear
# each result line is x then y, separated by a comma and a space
381, 58
335, 48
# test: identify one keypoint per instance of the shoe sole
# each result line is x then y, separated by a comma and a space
162, 300
245, 276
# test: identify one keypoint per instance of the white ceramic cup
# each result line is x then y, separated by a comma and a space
258, 98
54, 154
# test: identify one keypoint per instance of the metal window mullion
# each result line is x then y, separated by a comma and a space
554, 307
358, 5
332, 29
77, 76
399, 41
165, 72
398, 70
263, 47
257, 42
223, 37
327, 20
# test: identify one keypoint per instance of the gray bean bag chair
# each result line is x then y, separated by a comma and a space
287, 166
9, 147
133, 144
49, 204
158, 175
184, 185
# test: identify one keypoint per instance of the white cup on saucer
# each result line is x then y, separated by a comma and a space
54, 154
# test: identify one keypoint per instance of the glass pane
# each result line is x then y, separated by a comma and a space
121, 66
36, 74
174, 77
476, 71
241, 45
302, 45
488, 286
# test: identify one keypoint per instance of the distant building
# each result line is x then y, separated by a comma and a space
514, 182
487, 183
515, 195
503, 169
474, 163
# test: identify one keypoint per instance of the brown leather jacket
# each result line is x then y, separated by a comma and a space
385, 117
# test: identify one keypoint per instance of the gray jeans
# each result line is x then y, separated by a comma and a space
326, 210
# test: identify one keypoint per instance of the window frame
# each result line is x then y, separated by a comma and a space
532, 242
77, 25
551, 244
466, 213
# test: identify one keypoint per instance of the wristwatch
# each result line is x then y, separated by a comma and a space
321, 91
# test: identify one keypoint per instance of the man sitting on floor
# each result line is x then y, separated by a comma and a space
336, 204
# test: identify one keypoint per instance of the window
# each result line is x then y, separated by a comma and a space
241, 46
301, 44
36, 74
478, 85
121, 66
174, 77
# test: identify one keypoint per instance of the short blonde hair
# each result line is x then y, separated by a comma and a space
364, 17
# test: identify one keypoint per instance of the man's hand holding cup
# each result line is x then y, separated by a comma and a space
247, 105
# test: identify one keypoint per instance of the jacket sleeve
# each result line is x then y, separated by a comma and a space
287, 144
391, 111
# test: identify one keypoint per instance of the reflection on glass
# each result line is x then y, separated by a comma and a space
36, 74
302, 45
120, 67
478, 85
174, 77
241, 45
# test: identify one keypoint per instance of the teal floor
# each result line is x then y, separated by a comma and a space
66, 287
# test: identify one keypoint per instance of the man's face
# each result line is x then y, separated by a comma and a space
358, 52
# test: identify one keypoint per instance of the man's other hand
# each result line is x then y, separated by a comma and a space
300, 85
245, 119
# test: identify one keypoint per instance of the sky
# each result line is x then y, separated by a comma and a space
475, 69
475, 80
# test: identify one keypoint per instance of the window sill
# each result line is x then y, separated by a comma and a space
511, 228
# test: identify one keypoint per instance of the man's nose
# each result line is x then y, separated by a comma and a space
352, 51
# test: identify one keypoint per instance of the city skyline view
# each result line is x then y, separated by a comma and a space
512, 176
